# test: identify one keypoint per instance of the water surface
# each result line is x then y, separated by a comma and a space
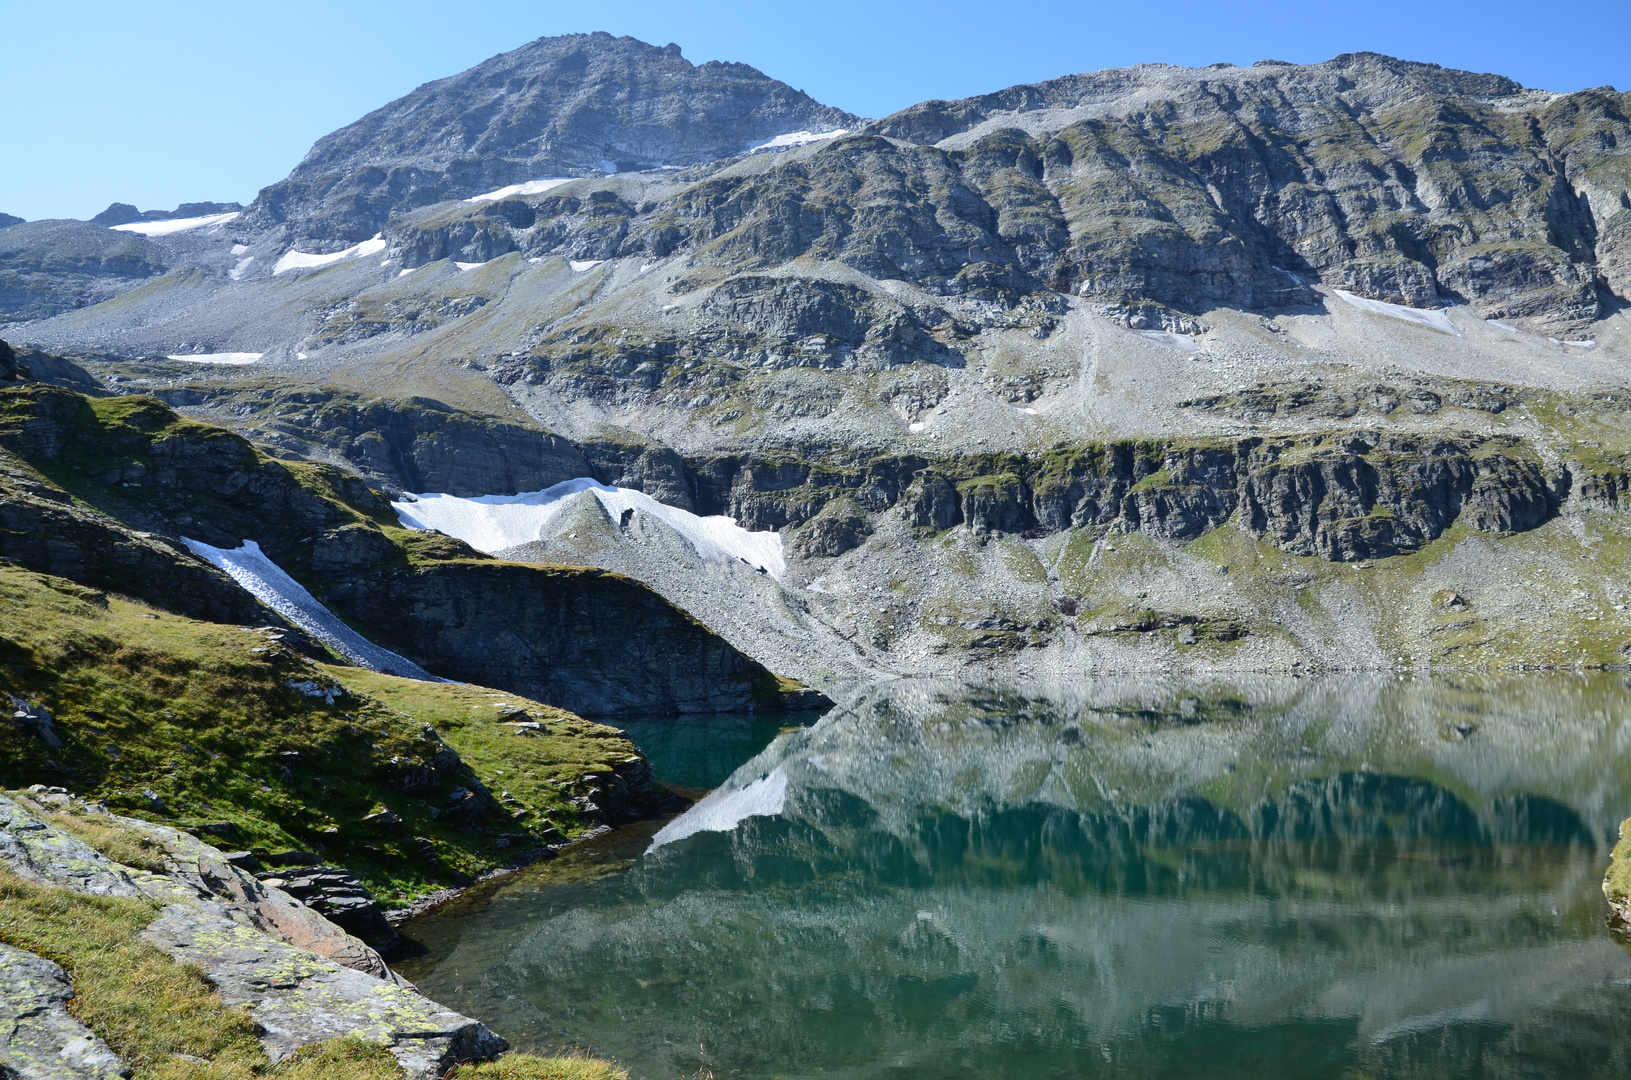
1336, 878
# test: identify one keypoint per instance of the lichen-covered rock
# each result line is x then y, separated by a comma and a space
257, 944
256, 904
300, 998
193, 871
39, 1040
38, 852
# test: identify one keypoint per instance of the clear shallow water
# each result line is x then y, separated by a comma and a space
701, 752
1337, 878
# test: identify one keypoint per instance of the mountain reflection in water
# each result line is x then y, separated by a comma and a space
1337, 878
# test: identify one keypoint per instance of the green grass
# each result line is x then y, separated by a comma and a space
203, 715
1617, 883
528, 1067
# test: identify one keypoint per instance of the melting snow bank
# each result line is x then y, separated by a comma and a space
723, 808
1435, 319
175, 225
798, 138
220, 357
492, 523
299, 260
262, 577
531, 187
1181, 342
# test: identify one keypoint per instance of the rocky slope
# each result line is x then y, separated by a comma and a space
1302, 322
558, 107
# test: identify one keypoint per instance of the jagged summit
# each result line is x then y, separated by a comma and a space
559, 106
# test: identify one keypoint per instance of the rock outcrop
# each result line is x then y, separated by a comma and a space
303, 979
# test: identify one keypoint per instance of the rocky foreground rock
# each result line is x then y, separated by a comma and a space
303, 979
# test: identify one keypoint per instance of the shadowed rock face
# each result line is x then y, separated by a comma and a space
562, 106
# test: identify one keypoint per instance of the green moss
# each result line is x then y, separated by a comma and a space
1157, 479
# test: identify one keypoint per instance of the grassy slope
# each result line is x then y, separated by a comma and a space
203, 716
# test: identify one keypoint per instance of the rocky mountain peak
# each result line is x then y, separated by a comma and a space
556, 107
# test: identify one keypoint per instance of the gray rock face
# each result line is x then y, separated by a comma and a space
39, 1040
554, 634
562, 106
47, 267
1155, 191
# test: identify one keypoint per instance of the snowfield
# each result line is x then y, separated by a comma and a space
262, 577
492, 523
531, 187
175, 225
220, 358
1435, 319
798, 138
299, 260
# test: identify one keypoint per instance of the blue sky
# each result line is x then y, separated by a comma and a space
157, 104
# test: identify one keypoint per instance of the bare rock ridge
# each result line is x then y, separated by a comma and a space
1156, 191
562, 106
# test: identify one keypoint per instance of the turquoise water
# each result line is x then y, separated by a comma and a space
1286, 878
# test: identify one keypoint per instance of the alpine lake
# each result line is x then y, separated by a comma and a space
1347, 878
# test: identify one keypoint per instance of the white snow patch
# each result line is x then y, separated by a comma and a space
1027, 412
580, 265
1587, 344
176, 225
468, 266
220, 358
1505, 326
817, 585
1434, 319
242, 268
531, 187
299, 260
249, 567
492, 523
1290, 275
722, 809
239, 249
300, 356
917, 426
1181, 342
408, 271
798, 138
608, 167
